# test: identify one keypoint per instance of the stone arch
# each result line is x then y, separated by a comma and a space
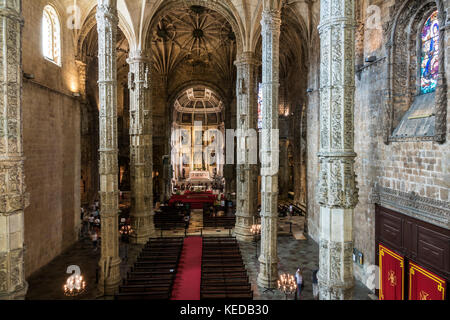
184, 86
89, 23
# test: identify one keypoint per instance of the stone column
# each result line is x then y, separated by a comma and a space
268, 273
442, 86
107, 22
166, 175
13, 198
283, 177
247, 146
297, 148
337, 192
140, 148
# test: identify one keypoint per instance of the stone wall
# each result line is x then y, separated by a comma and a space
418, 168
51, 136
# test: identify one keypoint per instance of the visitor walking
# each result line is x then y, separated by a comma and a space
91, 222
85, 229
186, 221
94, 238
315, 284
97, 224
299, 278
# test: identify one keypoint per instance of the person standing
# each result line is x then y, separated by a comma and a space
299, 278
315, 284
91, 222
97, 224
186, 221
85, 224
94, 238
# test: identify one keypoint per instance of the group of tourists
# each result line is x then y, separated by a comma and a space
91, 223
301, 284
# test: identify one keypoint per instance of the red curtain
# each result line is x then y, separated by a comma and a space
391, 274
424, 285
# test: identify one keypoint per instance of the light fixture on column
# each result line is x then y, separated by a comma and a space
28, 76
76, 94
371, 59
75, 285
287, 284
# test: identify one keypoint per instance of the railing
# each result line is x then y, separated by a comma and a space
202, 232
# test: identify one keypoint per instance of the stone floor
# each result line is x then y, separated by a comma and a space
292, 254
47, 284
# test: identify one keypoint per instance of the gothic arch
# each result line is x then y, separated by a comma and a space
88, 24
403, 61
184, 86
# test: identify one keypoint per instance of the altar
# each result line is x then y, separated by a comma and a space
199, 176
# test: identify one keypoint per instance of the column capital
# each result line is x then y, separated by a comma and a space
271, 19
247, 58
138, 56
336, 12
107, 11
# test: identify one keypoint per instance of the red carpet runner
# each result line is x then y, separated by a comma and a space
188, 278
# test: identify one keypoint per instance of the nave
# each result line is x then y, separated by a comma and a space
156, 270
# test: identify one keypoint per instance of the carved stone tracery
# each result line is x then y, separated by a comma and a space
270, 23
141, 148
247, 195
107, 24
337, 191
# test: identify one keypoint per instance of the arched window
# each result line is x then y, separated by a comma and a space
430, 50
51, 35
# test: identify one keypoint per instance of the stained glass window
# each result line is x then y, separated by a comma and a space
430, 52
51, 33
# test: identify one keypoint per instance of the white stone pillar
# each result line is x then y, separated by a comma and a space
13, 199
107, 23
283, 176
268, 273
337, 192
247, 146
141, 160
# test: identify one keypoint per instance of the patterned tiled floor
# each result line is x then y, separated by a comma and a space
291, 254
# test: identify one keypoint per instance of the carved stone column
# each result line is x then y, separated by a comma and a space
107, 22
442, 86
337, 192
247, 146
140, 149
13, 199
297, 153
268, 271
283, 177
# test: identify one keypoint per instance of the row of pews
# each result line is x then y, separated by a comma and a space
298, 210
210, 221
223, 272
170, 218
154, 272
